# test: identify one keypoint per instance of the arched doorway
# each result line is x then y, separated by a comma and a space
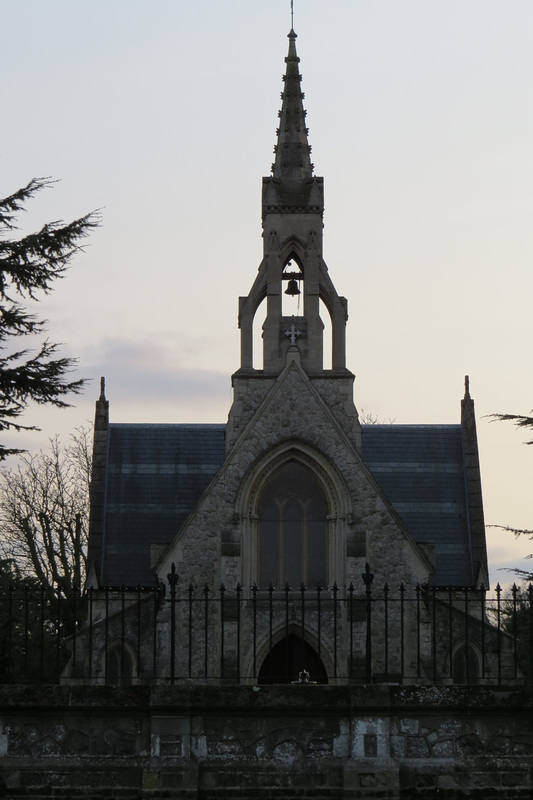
465, 664
288, 658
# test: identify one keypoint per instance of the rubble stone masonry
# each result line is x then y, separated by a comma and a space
295, 741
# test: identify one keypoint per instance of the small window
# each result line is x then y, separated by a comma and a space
465, 665
120, 665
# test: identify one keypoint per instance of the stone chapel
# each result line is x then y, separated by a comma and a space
253, 550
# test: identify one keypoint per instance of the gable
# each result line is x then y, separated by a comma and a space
157, 474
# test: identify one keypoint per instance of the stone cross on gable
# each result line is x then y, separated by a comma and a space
292, 333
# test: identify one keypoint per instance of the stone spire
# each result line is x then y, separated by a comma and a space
292, 218
293, 161
473, 488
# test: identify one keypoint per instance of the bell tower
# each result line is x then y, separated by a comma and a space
293, 209
293, 264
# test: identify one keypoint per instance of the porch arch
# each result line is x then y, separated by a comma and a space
319, 662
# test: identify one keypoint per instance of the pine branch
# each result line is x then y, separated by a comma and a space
519, 420
14, 204
30, 265
33, 262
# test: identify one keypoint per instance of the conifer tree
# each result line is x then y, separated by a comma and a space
28, 267
520, 421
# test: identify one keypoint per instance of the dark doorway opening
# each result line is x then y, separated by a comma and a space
465, 666
288, 658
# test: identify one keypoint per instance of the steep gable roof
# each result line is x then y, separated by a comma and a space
421, 470
156, 475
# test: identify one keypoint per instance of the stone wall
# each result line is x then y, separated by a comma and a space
295, 741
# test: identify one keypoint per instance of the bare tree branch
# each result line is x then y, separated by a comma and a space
44, 504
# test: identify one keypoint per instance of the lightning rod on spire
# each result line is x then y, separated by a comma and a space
292, 15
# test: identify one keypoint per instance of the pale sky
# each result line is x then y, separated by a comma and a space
164, 114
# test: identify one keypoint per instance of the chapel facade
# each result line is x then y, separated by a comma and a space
292, 543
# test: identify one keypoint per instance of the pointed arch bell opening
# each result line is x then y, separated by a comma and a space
292, 289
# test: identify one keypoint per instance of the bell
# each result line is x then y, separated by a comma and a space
292, 288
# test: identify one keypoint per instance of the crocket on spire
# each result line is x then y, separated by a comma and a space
293, 161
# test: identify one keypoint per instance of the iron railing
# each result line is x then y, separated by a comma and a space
178, 633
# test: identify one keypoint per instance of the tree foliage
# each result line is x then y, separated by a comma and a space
44, 513
28, 267
35, 624
520, 421
368, 418
516, 619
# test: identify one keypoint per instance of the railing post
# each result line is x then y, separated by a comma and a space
402, 635
450, 627
418, 630
434, 631
173, 581
530, 596
467, 633
122, 631
386, 610
483, 616
74, 628
206, 631
350, 608
287, 661
302, 593
270, 622
335, 626
368, 577
26, 627
190, 592
106, 646
499, 618
10, 660
91, 600
156, 590
222, 628
514, 591
41, 661
59, 623
239, 593
139, 608
319, 623
254, 622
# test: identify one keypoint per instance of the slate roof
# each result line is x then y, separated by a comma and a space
156, 474
422, 473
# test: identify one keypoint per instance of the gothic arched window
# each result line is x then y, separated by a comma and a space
292, 528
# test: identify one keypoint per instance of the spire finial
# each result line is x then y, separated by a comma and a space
292, 15
293, 161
